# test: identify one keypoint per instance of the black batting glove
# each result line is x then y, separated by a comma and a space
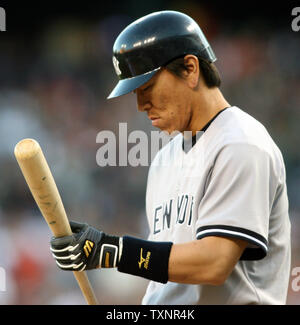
87, 248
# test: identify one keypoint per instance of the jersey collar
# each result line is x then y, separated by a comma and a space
186, 147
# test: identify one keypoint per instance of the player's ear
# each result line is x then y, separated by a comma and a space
192, 71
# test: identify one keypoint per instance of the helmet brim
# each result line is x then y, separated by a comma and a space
128, 85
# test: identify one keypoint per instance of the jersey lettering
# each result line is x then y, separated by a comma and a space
164, 213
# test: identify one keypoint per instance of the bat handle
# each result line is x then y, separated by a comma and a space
85, 287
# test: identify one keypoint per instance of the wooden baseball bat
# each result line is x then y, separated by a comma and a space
41, 183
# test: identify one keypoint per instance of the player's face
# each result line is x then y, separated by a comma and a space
166, 100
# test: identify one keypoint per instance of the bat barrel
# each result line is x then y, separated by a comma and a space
26, 149
41, 183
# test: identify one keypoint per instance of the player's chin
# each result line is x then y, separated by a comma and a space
164, 127
169, 131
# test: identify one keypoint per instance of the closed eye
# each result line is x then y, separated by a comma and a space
148, 87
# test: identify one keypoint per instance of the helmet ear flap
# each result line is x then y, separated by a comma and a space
153, 41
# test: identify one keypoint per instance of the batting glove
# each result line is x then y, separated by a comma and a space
87, 248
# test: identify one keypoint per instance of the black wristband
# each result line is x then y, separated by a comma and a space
145, 258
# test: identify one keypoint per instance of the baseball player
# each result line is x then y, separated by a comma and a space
218, 209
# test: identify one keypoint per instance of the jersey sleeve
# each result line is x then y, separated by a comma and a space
236, 202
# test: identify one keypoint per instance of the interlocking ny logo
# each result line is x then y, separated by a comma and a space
144, 260
116, 66
2, 20
88, 246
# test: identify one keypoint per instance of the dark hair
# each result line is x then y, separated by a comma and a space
209, 71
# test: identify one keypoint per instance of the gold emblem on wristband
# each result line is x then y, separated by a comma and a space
88, 246
107, 256
144, 260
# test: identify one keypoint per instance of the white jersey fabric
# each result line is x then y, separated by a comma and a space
231, 183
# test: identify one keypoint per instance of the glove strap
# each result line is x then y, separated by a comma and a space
109, 253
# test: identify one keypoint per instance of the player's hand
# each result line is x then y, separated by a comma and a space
87, 248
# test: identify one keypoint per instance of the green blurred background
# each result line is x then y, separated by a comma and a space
55, 74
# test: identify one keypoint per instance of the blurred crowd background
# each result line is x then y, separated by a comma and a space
55, 74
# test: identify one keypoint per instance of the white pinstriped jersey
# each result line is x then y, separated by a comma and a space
231, 183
